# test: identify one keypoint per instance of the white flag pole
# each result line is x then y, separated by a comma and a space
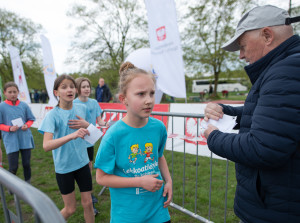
48, 69
19, 76
166, 52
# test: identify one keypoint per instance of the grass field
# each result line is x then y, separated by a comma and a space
43, 178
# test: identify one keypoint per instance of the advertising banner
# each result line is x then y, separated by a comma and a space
19, 76
48, 69
166, 52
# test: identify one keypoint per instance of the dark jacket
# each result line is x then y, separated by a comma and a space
267, 148
103, 94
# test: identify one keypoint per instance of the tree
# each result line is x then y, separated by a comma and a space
107, 33
20, 33
211, 25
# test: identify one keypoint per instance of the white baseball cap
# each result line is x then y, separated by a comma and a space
256, 18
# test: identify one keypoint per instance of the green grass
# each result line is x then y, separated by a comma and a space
43, 178
240, 96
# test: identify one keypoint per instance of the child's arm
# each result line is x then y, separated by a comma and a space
163, 166
50, 144
148, 182
101, 122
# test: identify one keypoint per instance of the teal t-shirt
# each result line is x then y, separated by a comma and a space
13, 141
72, 155
133, 152
94, 109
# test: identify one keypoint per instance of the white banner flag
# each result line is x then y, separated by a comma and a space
48, 69
19, 76
165, 47
141, 58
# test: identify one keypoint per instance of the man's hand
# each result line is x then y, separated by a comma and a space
213, 111
209, 129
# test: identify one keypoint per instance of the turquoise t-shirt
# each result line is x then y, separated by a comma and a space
13, 141
133, 152
72, 155
94, 109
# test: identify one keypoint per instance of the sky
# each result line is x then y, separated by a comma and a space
51, 15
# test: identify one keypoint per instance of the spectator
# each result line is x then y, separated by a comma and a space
266, 151
16, 138
36, 96
211, 89
103, 93
44, 96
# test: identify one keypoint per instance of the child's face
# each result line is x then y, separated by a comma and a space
66, 91
85, 89
11, 93
139, 98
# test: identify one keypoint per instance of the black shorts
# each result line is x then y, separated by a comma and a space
83, 177
90, 151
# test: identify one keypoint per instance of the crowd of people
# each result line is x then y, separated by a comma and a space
266, 151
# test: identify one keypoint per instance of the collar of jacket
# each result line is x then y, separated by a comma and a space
277, 54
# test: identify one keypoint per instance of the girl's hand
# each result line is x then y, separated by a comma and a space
78, 123
168, 191
151, 183
24, 127
80, 133
13, 128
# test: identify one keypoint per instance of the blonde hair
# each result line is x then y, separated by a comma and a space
134, 146
79, 81
127, 73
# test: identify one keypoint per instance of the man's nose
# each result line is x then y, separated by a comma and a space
242, 55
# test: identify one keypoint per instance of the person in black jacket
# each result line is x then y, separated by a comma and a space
266, 151
102, 93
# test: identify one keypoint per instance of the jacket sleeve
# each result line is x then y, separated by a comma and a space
275, 130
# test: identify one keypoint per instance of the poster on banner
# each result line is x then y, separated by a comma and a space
166, 52
48, 69
141, 58
19, 76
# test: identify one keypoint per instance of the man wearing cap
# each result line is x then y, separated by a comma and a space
267, 148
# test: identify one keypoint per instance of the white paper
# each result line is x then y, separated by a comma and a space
95, 134
18, 121
224, 124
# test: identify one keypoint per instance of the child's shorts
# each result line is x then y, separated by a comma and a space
83, 177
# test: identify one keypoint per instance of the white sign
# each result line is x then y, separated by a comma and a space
165, 47
19, 76
95, 134
48, 69
17, 122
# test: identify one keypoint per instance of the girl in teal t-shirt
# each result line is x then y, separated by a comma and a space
130, 158
68, 148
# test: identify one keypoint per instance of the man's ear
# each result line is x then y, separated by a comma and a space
268, 35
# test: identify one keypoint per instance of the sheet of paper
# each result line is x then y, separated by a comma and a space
224, 124
94, 136
18, 121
